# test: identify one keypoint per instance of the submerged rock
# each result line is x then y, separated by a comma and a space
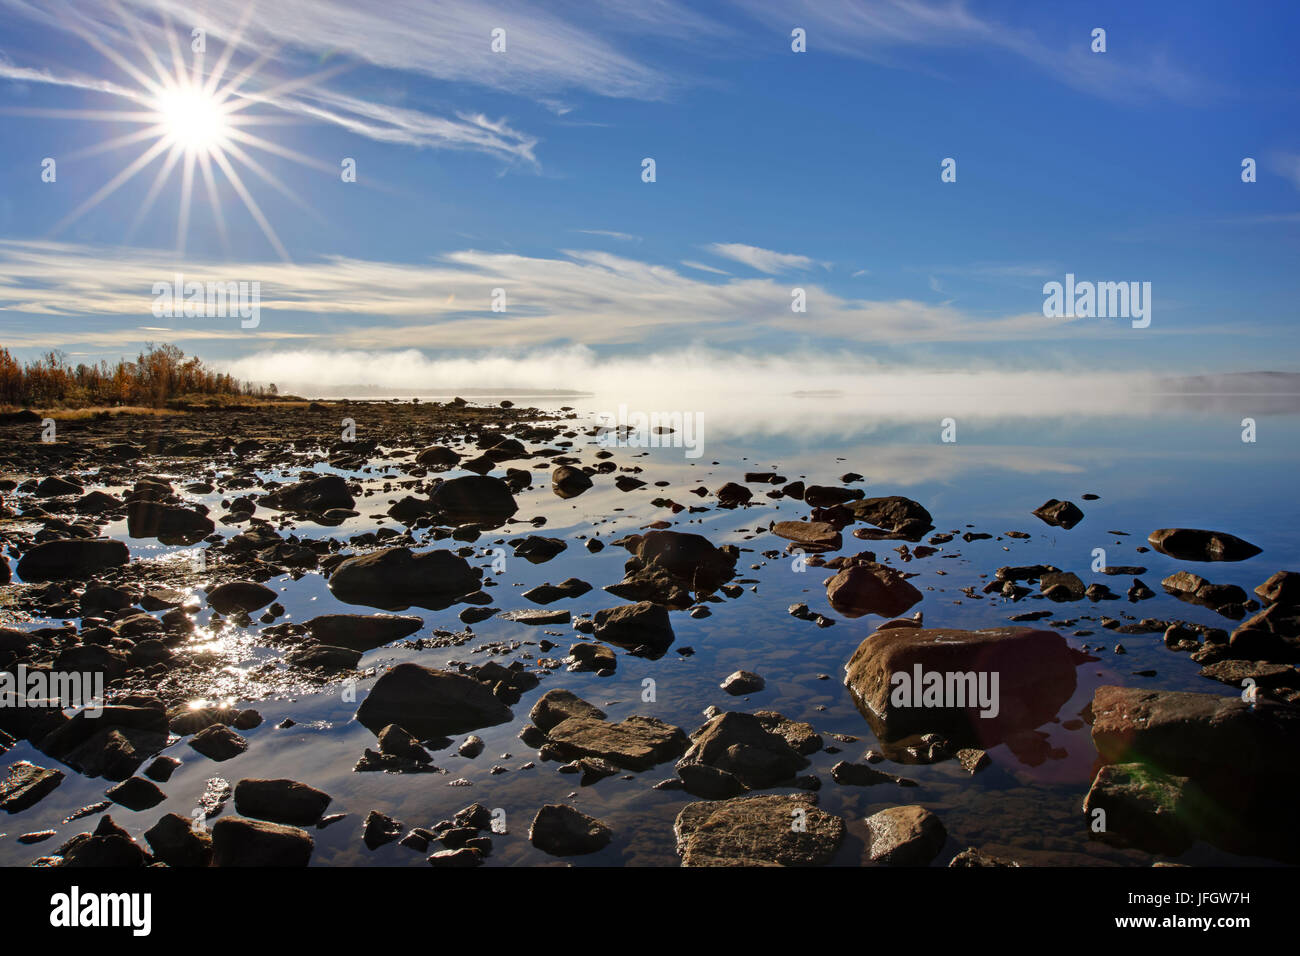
769, 830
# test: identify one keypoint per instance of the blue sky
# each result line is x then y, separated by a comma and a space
775, 170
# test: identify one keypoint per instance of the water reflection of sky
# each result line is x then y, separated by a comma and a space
1155, 468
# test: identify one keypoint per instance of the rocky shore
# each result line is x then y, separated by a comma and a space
133, 546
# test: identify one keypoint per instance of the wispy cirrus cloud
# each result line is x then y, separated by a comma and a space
762, 260
581, 296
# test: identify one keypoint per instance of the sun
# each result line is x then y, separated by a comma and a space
192, 119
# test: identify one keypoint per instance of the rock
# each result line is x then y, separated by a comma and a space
475, 499
812, 536
828, 496
1241, 755
1194, 588
569, 482
1061, 586
378, 829
175, 841
897, 515
235, 596
905, 836
768, 830
396, 578
560, 830
1193, 544
465, 856
1271, 635
1061, 514
395, 741
430, 703
556, 706
735, 752
743, 682
893, 678
871, 588
550, 593
592, 657
108, 846
971, 856
136, 793
690, 559
240, 842
859, 775
219, 742
323, 658
26, 785
54, 487
151, 519
1142, 808
536, 549
732, 494
635, 625
71, 558
315, 495
362, 632
635, 743
471, 748
437, 458
280, 801
1283, 587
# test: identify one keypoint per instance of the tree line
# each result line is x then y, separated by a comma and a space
158, 374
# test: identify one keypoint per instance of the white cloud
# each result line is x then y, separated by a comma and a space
762, 260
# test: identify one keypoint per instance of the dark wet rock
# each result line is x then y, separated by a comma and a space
732, 494
1143, 808
463, 857
177, 842
26, 784
471, 747
91, 658
972, 857
1271, 635
850, 774
395, 741
71, 558
136, 793
1283, 587
437, 458
1035, 676
108, 846
828, 496
219, 742
477, 499
560, 830
235, 596
550, 593
280, 801
240, 842
1196, 589
1242, 755
972, 759
743, 682
769, 830
1193, 544
901, 517
314, 495
735, 752
537, 618
556, 706
151, 519
905, 836
689, 559
1266, 676
430, 703
871, 588
1060, 514
635, 625
568, 482
396, 578
322, 657
161, 769
814, 536
362, 632
1061, 586
55, 487
635, 743
536, 549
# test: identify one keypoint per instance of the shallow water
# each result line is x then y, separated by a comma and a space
1159, 465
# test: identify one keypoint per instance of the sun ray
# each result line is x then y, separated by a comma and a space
124, 140
164, 173
270, 179
143, 160
210, 182
145, 49
223, 62
285, 152
249, 99
122, 62
253, 208
187, 191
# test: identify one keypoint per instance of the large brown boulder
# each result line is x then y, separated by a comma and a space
474, 499
1193, 544
71, 558
931, 680
769, 830
691, 559
897, 515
